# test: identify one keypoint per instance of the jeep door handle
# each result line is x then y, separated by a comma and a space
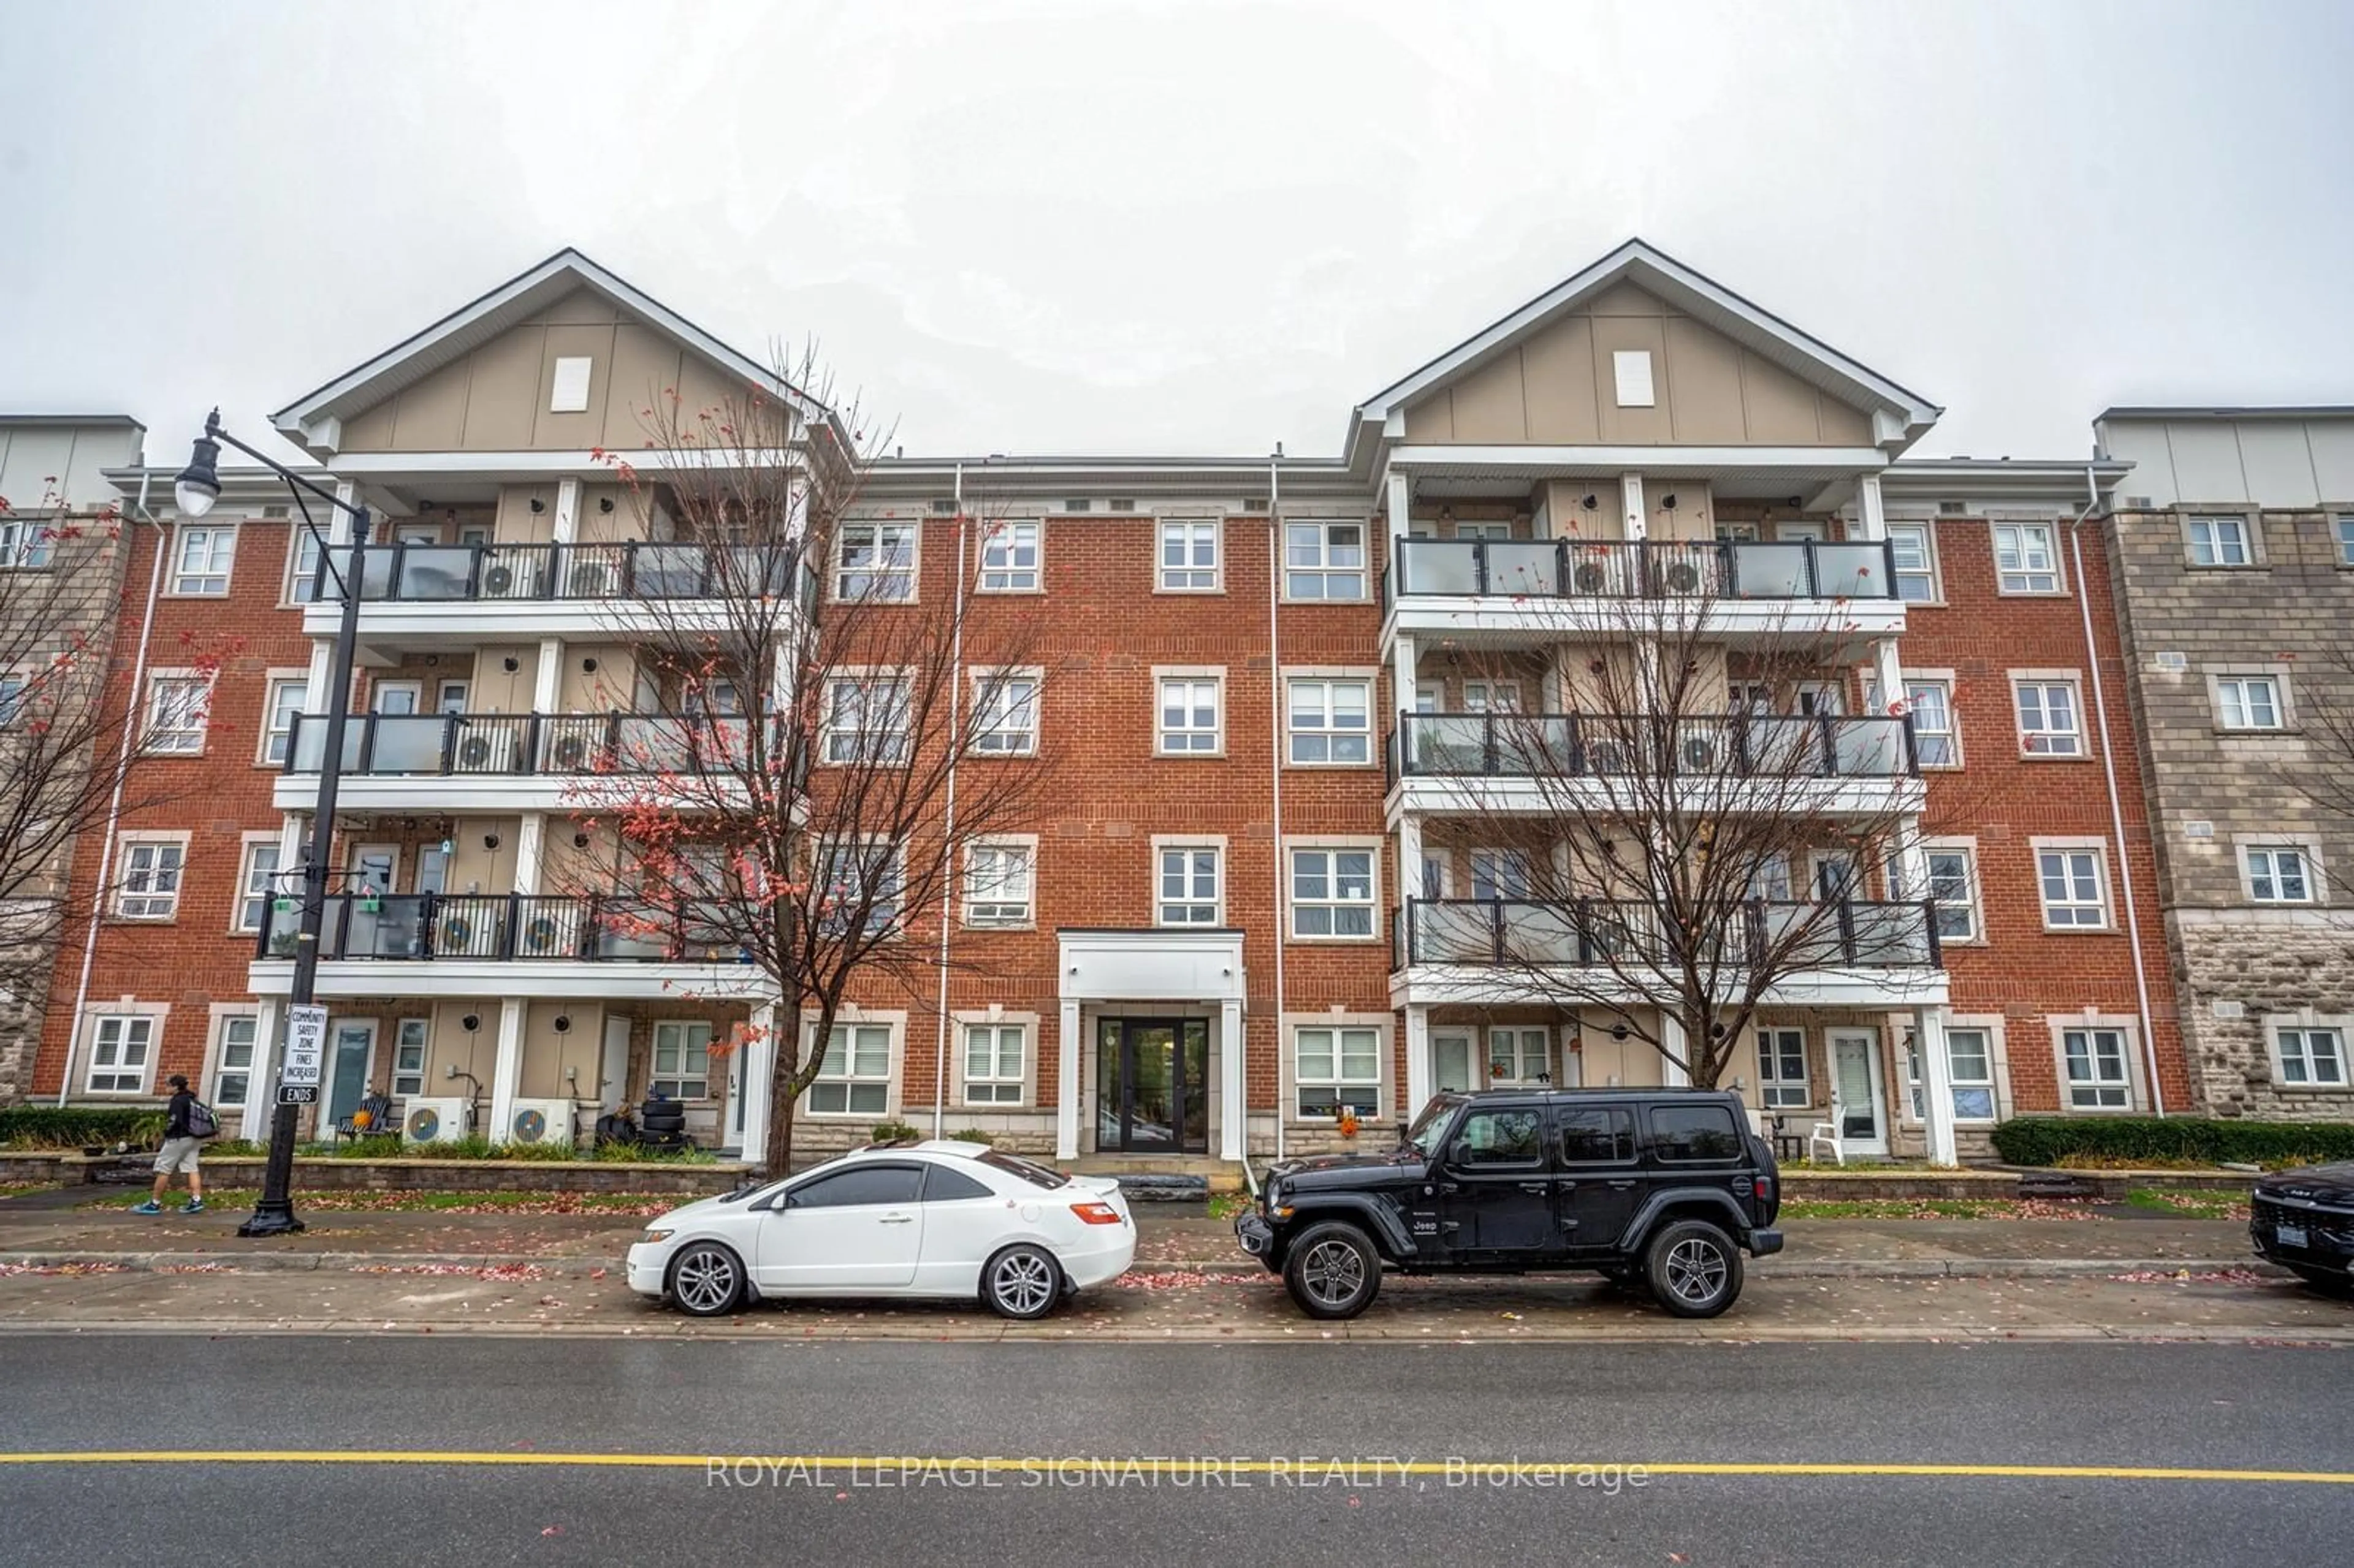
1622, 1186
1535, 1187
898, 1219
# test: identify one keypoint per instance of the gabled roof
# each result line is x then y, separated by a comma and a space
511, 303
1697, 296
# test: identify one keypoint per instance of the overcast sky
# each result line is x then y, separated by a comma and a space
1183, 227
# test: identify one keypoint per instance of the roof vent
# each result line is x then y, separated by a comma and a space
946, 503
273, 511
2199, 829
1952, 508
1079, 506
1122, 503
2170, 664
2137, 503
1254, 503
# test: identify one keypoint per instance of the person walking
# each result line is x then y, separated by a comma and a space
180, 1148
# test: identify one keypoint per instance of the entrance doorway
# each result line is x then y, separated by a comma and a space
1856, 1090
1152, 1078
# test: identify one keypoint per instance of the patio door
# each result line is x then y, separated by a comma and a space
1153, 1085
350, 1059
1857, 1092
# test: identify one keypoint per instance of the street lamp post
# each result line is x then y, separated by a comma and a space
195, 489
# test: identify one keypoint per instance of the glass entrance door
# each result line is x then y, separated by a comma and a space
1153, 1085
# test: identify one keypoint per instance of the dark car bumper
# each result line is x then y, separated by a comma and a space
1765, 1243
1256, 1236
2302, 1235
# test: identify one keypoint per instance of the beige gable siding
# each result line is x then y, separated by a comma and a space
496, 398
1557, 387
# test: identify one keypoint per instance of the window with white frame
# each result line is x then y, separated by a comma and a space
2219, 542
860, 875
1491, 696
875, 561
1782, 1069
2278, 874
1969, 1066
2050, 723
2346, 540
1009, 557
1929, 702
1006, 714
2311, 1057
1331, 723
992, 1064
2248, 702
201, 558
1953, 890
177, 707
1190, 707
2075, 888
998, 879
12, 686
257, 883
121, 1049
1499, 874
855, 1079
233, 1062
1189, 884
1518, 1055
150, 889
866, 719
26, 543
302, 567
1333, 892
1336, 1069
682, 1065
1324, 560
1438, 874
1916, 564
2025, 559
409, 1035
2100, 1074
1189, 557
283, 705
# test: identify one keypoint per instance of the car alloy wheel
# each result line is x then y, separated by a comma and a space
705, 1280
1332, 1271
1023, 1282
1693, 1269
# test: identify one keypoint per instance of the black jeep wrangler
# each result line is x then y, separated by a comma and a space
1662, 1186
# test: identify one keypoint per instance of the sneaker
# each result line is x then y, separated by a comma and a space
193, 1206
150, 1207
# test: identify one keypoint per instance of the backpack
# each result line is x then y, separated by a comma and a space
201, 1122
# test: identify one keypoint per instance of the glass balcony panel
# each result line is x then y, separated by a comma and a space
406, 745
1852, 571
1769, 571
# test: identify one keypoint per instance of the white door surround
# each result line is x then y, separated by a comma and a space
1137, 969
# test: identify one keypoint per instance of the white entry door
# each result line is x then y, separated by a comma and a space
613, 1070
1855, 1091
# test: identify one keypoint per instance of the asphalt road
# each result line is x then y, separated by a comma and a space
488, 1436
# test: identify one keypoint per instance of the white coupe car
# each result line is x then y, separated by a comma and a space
939, 1219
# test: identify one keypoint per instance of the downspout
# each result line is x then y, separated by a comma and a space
2116, 805
947, 830
1275, 785
131, 728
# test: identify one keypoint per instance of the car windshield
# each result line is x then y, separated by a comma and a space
1036, 1175
1425, 1133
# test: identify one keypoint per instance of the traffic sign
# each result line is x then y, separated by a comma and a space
298, 1094
306, 1047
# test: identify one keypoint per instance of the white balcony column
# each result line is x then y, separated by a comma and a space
506, 1067
531, 853
1233, 1120
1672, 1072
339, 520
1404, 676
547, 680
1067, 1082
1630, 488
1888, 670
1417, 1062
1400, 508
754, 1066
1936, 1084
1409, 858
315, 690
567, 511
261, 1084
1871, 517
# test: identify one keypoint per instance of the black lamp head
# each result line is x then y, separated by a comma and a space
198, 485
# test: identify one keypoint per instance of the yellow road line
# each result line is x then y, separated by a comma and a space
870, 1464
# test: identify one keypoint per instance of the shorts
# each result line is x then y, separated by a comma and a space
179, 1154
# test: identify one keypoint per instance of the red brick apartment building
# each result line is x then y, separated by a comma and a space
1243, 924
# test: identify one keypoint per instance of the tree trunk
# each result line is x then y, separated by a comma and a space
784, 1093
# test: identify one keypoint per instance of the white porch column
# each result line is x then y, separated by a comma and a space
754, 1066
1233, 1124
530, 852
1630, 489
1888, 671
1400, 508
1936, 1084
547, 680
1871, 518
1409, 859
261, 1084
567, 511
506, 1068
1417, 1062
1067, 1082
1672, 1072
1403, 676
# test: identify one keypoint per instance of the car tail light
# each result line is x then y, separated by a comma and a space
1762, 1187
1096, 1213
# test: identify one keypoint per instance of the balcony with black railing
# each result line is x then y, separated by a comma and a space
490, 745
1739, 746
1621, 934
408, 572
421, 927
1748, 570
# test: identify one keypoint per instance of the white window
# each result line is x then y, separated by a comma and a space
151, 878
2099, 1075
257, 881
12, 697
1189, 885
177, 707
1969, 1067
2076, 883
284, 702
682, 1061
1188, 715
876, 560
1520, 1056
408, 1055
1499, 874
201, 558
2346, 541
861, 876
1009, 557
568, 388
1438, 875
2312, 1056
1333, 892
1189, 557
233, 1066
1324, 560
2024, 558
1630, 369
1005, 714
1334, 1069
2248, 702
992, 1064
2049, 722
1916, 564
1953, 889
1782, 1068
1934, 739
25, 543
855, 1079
2219, 542
1491, 696
2276, 875
121, 1053
998, 883
1331, 725
303, 567
866, 719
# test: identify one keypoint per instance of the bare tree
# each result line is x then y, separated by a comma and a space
1681, 841
807, 757
2325, 711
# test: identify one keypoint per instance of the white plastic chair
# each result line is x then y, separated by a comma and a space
1826, 1133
